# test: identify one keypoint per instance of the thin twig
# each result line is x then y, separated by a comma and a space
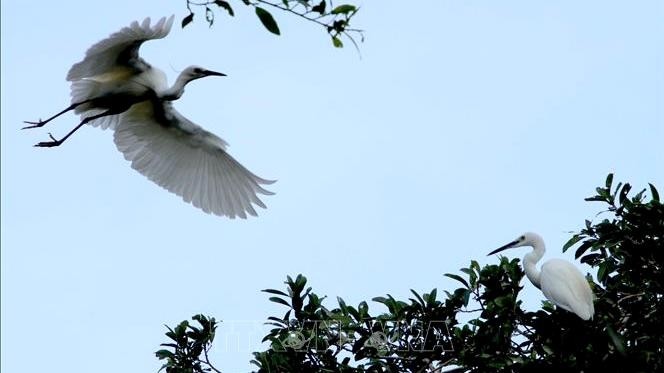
630, 296
305, 13
207, 360
302, 15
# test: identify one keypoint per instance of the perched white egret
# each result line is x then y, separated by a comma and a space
112, 87
560, 281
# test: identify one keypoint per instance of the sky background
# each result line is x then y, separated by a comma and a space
464, 124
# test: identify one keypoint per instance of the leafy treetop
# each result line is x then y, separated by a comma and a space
424, 333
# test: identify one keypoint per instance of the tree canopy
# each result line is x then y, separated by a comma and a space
428, 332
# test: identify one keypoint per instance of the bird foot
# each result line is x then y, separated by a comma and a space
49, 144
34, 124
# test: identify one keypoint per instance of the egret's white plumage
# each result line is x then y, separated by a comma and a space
112, 87
187, 160
560, 281
113, 66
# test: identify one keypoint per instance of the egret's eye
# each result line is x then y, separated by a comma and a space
522, 238
198, 70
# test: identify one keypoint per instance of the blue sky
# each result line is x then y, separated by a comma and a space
462, 125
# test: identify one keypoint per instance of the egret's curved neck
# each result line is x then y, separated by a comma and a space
530, 260
176, 91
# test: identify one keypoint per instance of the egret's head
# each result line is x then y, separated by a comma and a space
526, 239
197, 72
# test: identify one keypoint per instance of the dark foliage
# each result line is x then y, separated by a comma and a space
335, 20
424, 333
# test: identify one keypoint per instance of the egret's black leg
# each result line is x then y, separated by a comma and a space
43, 122
56, 142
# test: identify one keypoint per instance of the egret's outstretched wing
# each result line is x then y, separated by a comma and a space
113, 65
120, 50
564, 285
187, 160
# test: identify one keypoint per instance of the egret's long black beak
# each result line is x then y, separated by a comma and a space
213, 73
505, 247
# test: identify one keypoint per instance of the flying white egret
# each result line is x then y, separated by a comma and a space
560, 281
112, 87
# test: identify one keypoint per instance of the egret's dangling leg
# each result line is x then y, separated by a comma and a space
56, 142
41, 123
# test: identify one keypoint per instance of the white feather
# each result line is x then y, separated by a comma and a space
102, 57
102, 72
564, 285
186, 160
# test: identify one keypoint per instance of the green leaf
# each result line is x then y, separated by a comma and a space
582, 249
617, 339
602, 192
267, 20
618, 188
379, 299
187, 20
181, 328
623, 193
458, 278
355, 313
504, 301
344, 9
164, 354
466, 298
300, 280
609, 181
419, 298
278, 321
273, 291
653, 192
571, 242
639, 196
280, 301
320, 8
601, 272
225, 5
209, 16
363, 308
337, 42
172, 336
431, 299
